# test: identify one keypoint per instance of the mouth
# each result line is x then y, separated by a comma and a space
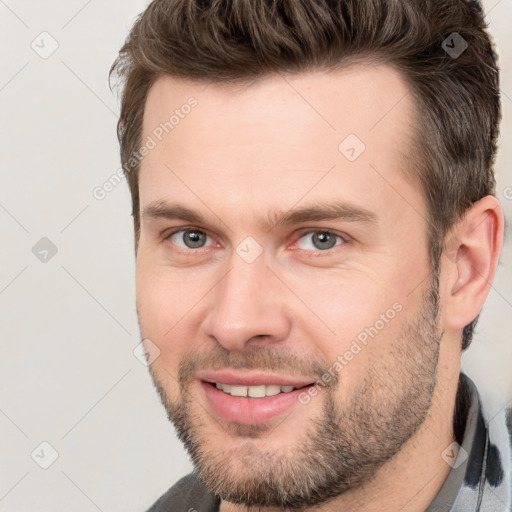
252, 401
254, 391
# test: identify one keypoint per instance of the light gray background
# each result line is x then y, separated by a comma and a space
68, 375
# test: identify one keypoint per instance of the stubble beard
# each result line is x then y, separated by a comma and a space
339, 451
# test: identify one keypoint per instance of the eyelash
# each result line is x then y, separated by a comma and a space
344, 239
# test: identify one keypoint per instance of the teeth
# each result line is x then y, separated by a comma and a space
253, 391
256, 391
238, 391
273, 390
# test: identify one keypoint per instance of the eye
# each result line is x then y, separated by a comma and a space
319, 240
189, 238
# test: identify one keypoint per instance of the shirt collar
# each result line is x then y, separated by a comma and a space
479, 473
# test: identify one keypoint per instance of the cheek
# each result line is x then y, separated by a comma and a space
160, 303
355, 315
159, 314
168, 304
345, 301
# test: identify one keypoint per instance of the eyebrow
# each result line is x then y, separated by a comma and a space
336, 210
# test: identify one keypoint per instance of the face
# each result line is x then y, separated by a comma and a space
283, 278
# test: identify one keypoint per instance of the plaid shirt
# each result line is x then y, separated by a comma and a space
480, 479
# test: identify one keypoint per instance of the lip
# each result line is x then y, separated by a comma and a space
250, 411
253, 379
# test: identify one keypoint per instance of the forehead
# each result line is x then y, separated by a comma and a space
357, 99
277, 136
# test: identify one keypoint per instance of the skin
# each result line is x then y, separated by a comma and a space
244, 153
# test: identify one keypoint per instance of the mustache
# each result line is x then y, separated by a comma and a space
265, 359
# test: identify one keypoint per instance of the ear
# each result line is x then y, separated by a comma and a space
469, 263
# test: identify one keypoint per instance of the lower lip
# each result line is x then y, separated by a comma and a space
249, 411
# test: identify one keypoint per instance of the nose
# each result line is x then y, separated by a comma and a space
248, 307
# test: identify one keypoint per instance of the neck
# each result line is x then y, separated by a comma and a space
409, 481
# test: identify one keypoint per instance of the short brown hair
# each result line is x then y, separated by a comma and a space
238, 41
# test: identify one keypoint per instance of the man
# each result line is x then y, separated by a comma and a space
316, 234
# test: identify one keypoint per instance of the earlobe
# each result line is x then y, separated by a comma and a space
473, 253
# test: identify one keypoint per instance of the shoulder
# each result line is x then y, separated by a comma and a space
496, 481
189, 494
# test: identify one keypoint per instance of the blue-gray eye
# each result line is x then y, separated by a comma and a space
319, 240
190, 238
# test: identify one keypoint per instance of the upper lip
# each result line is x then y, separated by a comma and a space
253, 379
